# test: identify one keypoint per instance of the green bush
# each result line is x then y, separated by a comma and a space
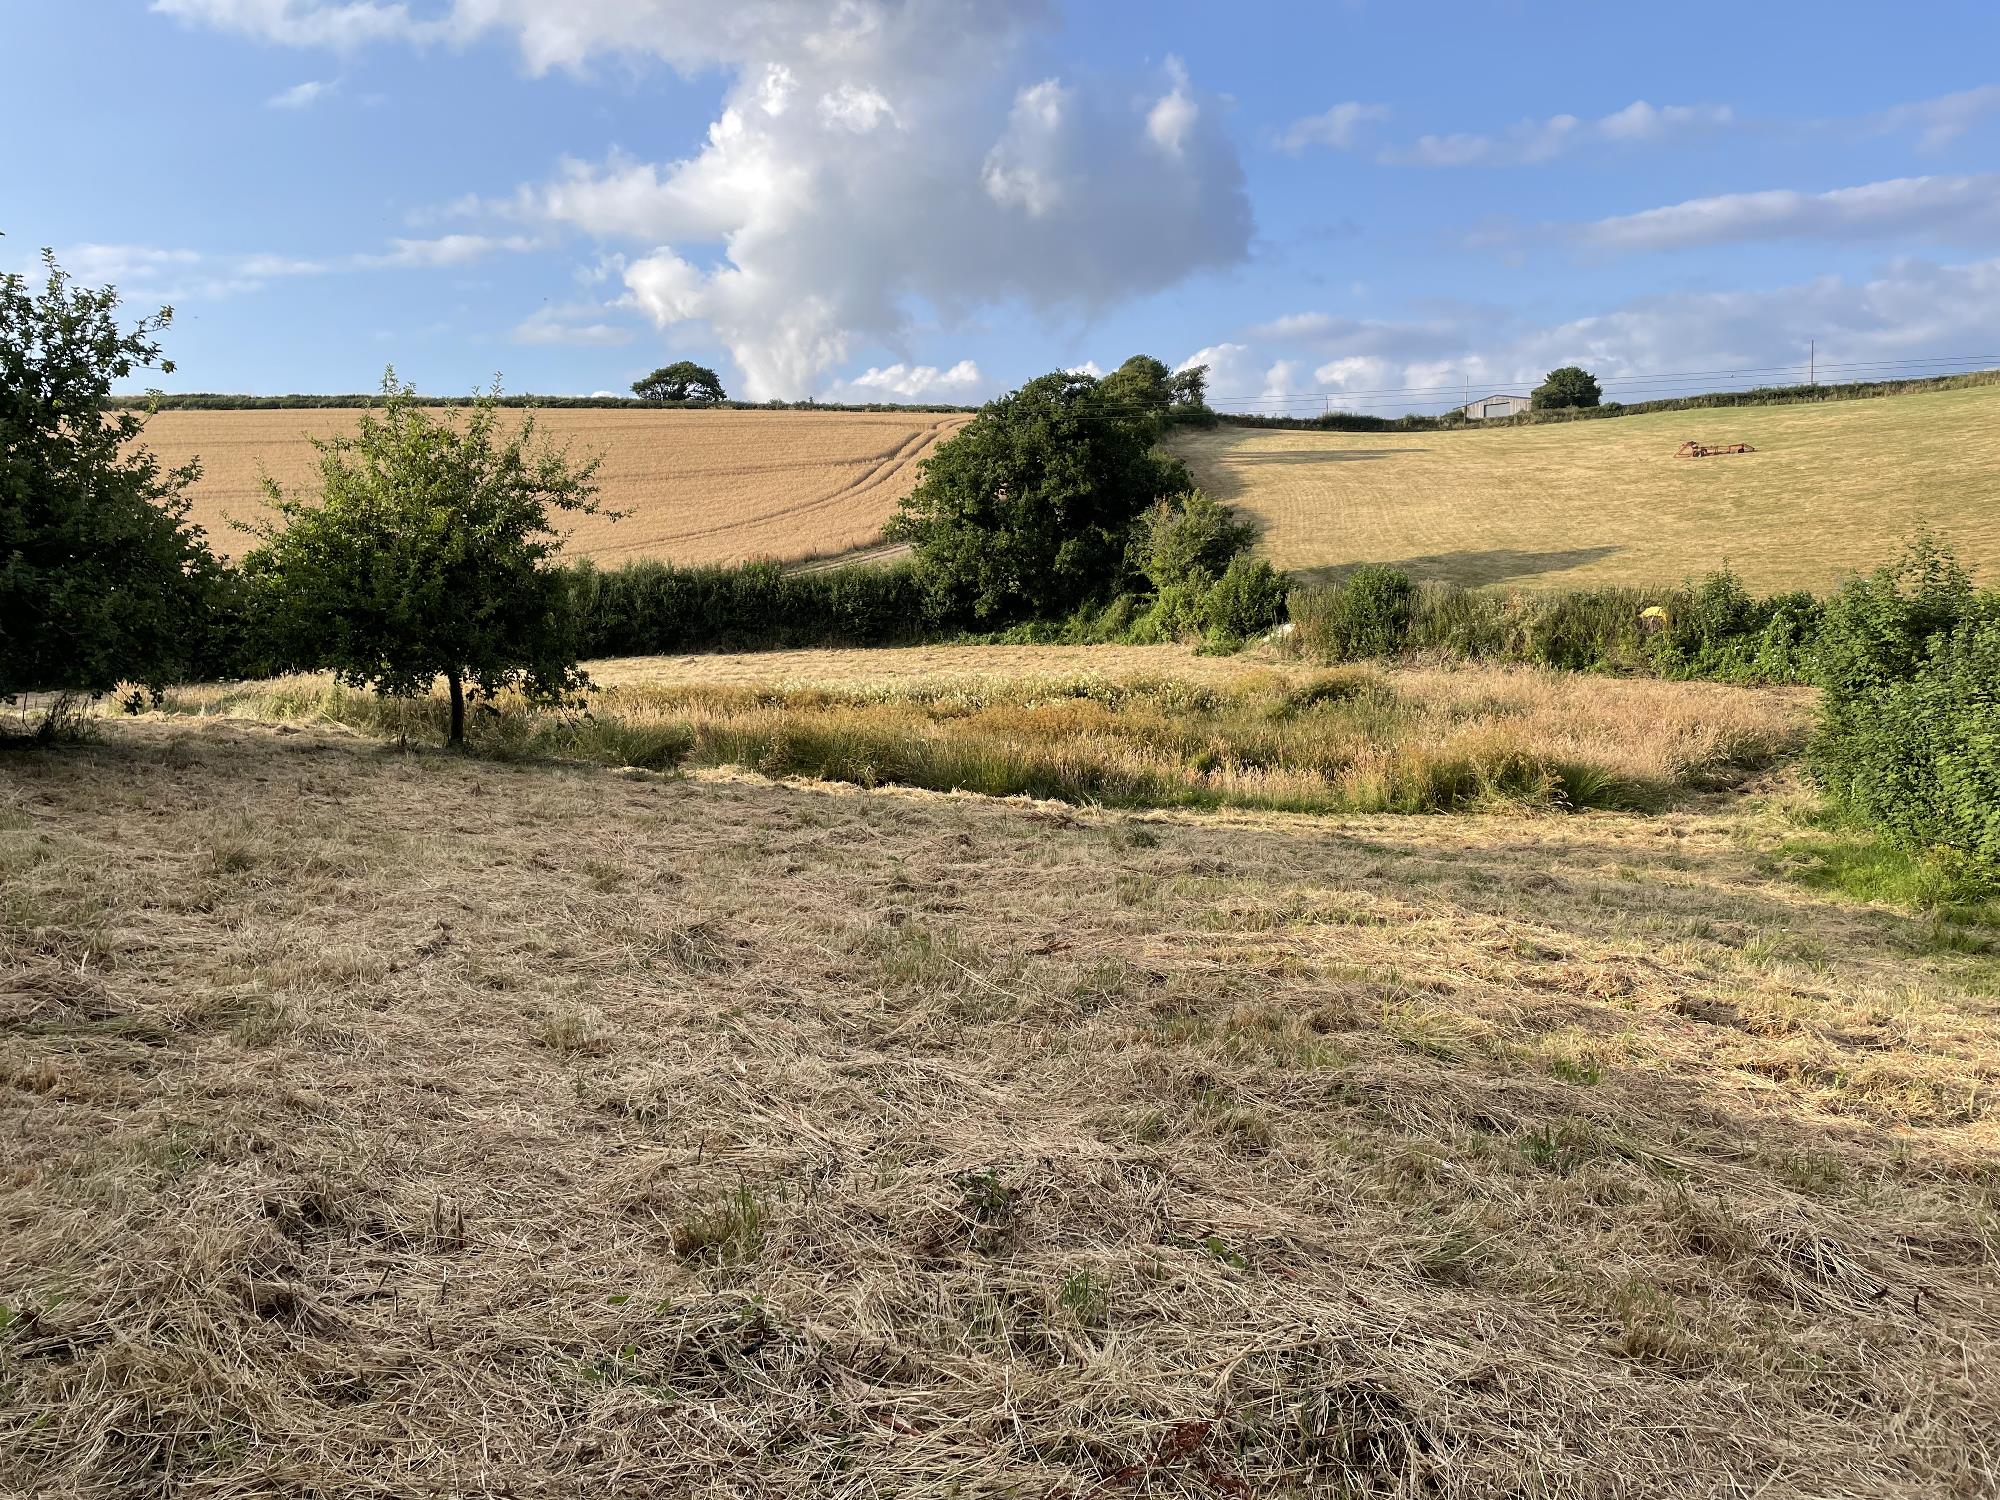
1920, 758
1368, 613
1908, 662
1027, 511
102, 576
1879, 630
658, 609
1188, 538
1246, 601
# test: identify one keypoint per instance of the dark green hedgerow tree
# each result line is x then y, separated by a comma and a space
1562, 389
1026, 512
428, 553
101, 575
683, 383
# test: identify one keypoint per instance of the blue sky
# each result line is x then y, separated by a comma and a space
1363, 205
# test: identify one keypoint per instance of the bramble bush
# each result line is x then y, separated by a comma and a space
1908, 663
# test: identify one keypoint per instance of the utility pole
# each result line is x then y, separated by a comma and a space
1812, 363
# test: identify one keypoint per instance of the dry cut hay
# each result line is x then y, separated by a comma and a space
392, 1124
696, 487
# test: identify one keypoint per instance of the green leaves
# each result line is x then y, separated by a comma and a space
1569, 386
683, 383
1025, 513
427, 553
101, 577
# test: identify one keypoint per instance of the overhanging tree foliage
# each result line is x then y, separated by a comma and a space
101, 576
427, 554
683, 383
1568, 387
1145, 385
1025, 513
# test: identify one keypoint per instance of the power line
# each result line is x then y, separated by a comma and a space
1855, 370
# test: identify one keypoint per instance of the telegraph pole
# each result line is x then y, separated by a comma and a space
1812, 363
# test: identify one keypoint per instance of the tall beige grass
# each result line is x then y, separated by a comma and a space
1262, 738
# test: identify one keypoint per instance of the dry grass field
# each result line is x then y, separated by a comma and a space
1106, 726
698, 487
1830, 489
399, 1124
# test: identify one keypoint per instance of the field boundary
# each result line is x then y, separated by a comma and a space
223, 401
1776, 395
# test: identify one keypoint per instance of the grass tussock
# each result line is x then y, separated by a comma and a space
1343, 741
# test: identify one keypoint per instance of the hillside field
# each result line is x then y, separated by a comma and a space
698, 487
1831, 488
392, 1122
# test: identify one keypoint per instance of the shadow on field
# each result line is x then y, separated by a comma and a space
1320, 455
1495, 565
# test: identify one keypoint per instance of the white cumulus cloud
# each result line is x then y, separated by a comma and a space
1911, 310
874, 164
917, 382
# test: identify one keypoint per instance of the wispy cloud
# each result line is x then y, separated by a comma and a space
341, 25
1534, 141
559, 327
1955, 208
447, 251
301, 95
1942, 120
1912, 309
1341, 127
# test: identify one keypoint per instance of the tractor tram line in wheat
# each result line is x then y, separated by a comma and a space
689, 487
889, 467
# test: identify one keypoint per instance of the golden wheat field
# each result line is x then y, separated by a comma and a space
697, 487
1830, 489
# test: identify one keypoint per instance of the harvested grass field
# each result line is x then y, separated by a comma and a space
1830, 489
406, 1124
698, 487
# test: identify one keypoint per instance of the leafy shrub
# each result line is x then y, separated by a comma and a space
1717, 631
427, 552
1920, 758
653, 609
1878, 630
1368, 613
1908, 661
1188, 538
1246, 601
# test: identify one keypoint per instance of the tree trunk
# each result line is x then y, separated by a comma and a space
457, 737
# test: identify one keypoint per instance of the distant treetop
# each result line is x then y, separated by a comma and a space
1571, 386
683, 383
